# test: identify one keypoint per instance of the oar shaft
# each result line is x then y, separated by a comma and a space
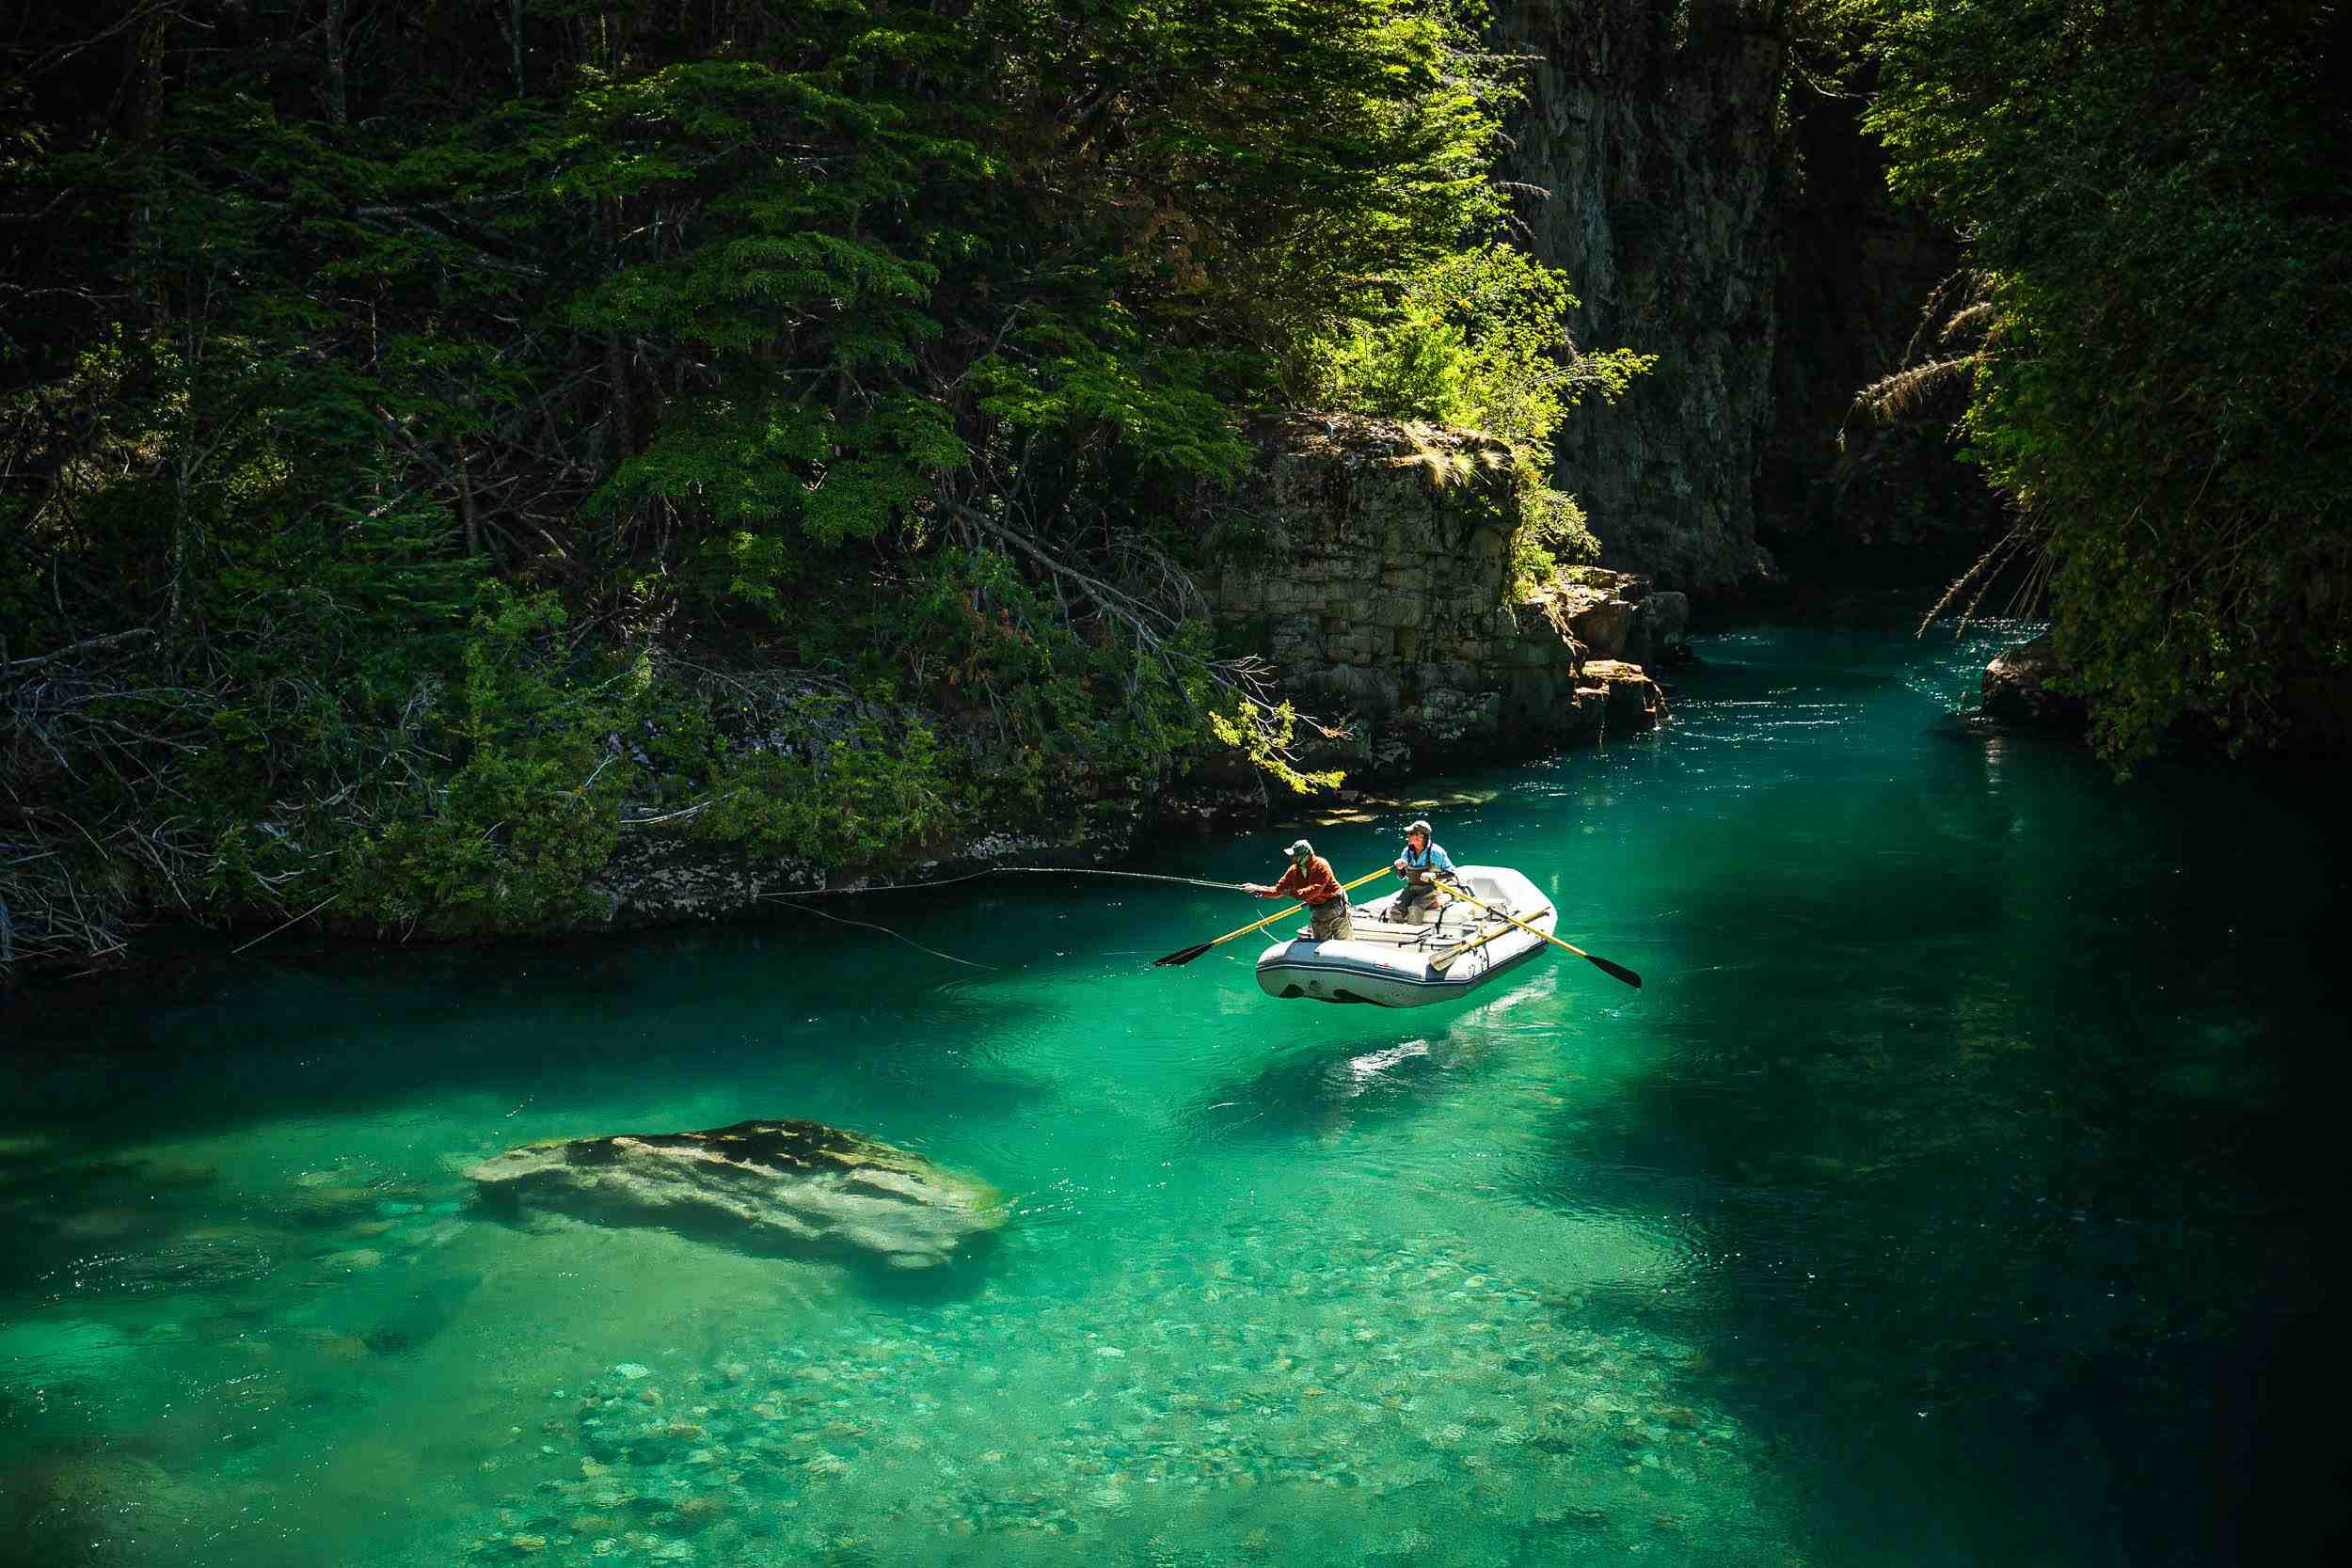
1503, 914
1466, 949
1615, 971
1296, 909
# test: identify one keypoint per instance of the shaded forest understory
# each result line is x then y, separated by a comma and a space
434, 435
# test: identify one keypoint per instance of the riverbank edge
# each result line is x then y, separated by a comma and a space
675, 883
663, 877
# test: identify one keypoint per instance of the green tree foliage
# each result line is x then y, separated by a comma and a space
1474, 339
411, 413
2154, 196
507, 838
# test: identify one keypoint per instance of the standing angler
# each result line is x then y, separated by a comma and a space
1309, 879
1421, 866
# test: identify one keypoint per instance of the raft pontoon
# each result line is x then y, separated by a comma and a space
1448, 958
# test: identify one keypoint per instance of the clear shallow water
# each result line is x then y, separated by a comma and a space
1949, 1196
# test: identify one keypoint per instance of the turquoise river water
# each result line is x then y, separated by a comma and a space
1957, 1191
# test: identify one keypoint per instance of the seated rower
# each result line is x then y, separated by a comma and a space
1422, 864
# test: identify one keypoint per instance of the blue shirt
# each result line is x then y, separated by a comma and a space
1432, 859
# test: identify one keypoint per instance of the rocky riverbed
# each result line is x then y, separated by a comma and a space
1309, 1388
1279, 1405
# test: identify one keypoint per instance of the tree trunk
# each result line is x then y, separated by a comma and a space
616, 357
145, 47
177, 557
514, 44
144, 44
338, 97
465, 497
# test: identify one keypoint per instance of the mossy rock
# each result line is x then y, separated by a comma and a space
796, 1187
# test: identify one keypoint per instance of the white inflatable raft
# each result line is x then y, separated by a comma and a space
1411, 966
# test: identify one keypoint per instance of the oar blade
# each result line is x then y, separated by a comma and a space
1174, 959
1616, 971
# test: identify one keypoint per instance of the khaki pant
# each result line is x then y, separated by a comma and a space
1418, 902
1332, 920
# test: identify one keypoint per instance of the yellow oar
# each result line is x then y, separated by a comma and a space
1616, 971
1191, 953
1442, 960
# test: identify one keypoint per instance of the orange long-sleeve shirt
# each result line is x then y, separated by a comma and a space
1313, 884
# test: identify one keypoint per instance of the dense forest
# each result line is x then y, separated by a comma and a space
438, 438
436, 434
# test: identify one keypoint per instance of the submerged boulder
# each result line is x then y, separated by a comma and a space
794, 1186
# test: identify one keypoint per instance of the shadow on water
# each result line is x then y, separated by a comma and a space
2025, 1175
589, 1023
420, 1316
1990, 1273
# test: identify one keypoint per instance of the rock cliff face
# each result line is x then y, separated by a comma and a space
1377, 587
1654, 129
1711, 208
1855, 271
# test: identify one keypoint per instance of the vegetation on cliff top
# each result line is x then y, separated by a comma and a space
2160, 337
437, 440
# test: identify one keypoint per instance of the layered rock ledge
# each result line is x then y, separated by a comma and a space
1377, 583
796, 1187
